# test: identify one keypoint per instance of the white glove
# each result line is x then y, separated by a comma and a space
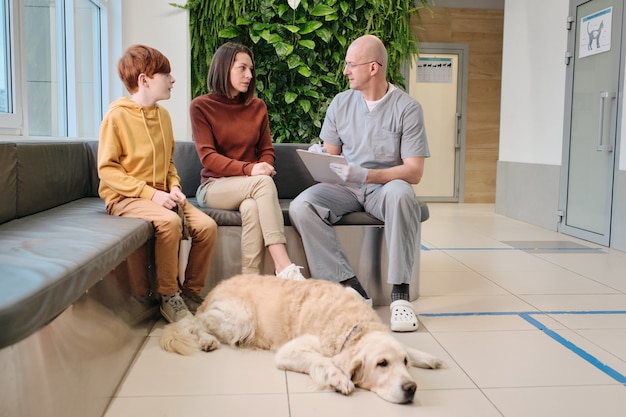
350, 172
316, 147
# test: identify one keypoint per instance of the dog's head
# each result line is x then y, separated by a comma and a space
379, 363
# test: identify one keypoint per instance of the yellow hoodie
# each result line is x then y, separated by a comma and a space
135, 152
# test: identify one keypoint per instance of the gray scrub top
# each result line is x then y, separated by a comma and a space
380, 138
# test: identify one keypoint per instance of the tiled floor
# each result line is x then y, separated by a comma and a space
535, 327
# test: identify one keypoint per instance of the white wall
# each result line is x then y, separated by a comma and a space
533, 71
157, 24
533, 81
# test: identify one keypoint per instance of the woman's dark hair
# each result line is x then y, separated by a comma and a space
218, 79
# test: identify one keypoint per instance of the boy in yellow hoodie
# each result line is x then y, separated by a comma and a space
138, 177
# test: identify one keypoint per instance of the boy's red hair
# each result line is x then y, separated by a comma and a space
138, 59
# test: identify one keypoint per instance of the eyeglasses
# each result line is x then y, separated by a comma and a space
350, 65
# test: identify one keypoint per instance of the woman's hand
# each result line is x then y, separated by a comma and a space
263, 168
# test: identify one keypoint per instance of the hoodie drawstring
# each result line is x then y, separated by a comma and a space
165, 161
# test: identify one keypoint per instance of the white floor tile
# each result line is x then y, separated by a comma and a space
471, 304
612, 341
226, 371
582, 401
592, 321
577, 302
435, 260
546, 282
502, 260
435, 403
603, 349
438, 324
475, 293
518, 359
208, 405
606, 268
457, 283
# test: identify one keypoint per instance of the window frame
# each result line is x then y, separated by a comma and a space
13, 123
73, 93
17, 122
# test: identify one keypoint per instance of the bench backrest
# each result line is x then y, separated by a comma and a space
291, 177
37, 175
41, 174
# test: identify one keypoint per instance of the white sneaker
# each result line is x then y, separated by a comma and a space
368, 301
173, 308
291, 272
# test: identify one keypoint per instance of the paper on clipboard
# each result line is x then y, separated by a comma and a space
318, 165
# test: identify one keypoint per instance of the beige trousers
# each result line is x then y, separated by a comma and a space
262, 221
168, 232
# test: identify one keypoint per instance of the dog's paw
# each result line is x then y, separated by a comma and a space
424, 360
434, 363
340, 381
208, 342
429, 362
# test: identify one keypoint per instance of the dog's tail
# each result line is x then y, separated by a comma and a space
180, 337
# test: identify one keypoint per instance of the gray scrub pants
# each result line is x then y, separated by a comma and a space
317, 208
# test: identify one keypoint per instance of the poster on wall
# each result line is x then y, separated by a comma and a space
434, 70
595, 33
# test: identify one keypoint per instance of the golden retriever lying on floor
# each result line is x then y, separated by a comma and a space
316, 327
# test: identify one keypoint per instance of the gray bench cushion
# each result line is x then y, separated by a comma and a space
50, 174
8, 181
49, 259
291, 179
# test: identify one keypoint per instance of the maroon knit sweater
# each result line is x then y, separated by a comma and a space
229, 135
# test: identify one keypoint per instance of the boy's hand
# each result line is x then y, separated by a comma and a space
164, 199
177, 195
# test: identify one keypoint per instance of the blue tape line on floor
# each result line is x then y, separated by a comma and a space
519, 313
589, 358
425, 248
592, 360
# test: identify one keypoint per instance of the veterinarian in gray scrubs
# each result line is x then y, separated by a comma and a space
380, 130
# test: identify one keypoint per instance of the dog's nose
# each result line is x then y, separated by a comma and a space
409, 389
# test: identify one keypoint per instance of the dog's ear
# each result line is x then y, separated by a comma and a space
350, 364
356, 373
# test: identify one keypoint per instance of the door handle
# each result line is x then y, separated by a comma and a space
457, 130
601, 147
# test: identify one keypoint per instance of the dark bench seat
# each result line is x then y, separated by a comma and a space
48, 260
67, 269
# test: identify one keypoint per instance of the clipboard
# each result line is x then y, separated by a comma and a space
318, 165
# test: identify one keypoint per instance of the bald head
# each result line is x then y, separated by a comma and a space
370, 48
366, 67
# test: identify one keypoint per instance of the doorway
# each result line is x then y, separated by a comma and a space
437, 78
591, 109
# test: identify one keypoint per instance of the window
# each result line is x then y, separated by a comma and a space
88, 66
6, 102
63, 47
10, 108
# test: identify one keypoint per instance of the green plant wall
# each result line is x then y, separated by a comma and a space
299, 49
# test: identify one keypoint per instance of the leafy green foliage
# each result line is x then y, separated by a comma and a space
299, 54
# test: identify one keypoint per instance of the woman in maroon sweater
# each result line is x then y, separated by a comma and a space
231, 131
